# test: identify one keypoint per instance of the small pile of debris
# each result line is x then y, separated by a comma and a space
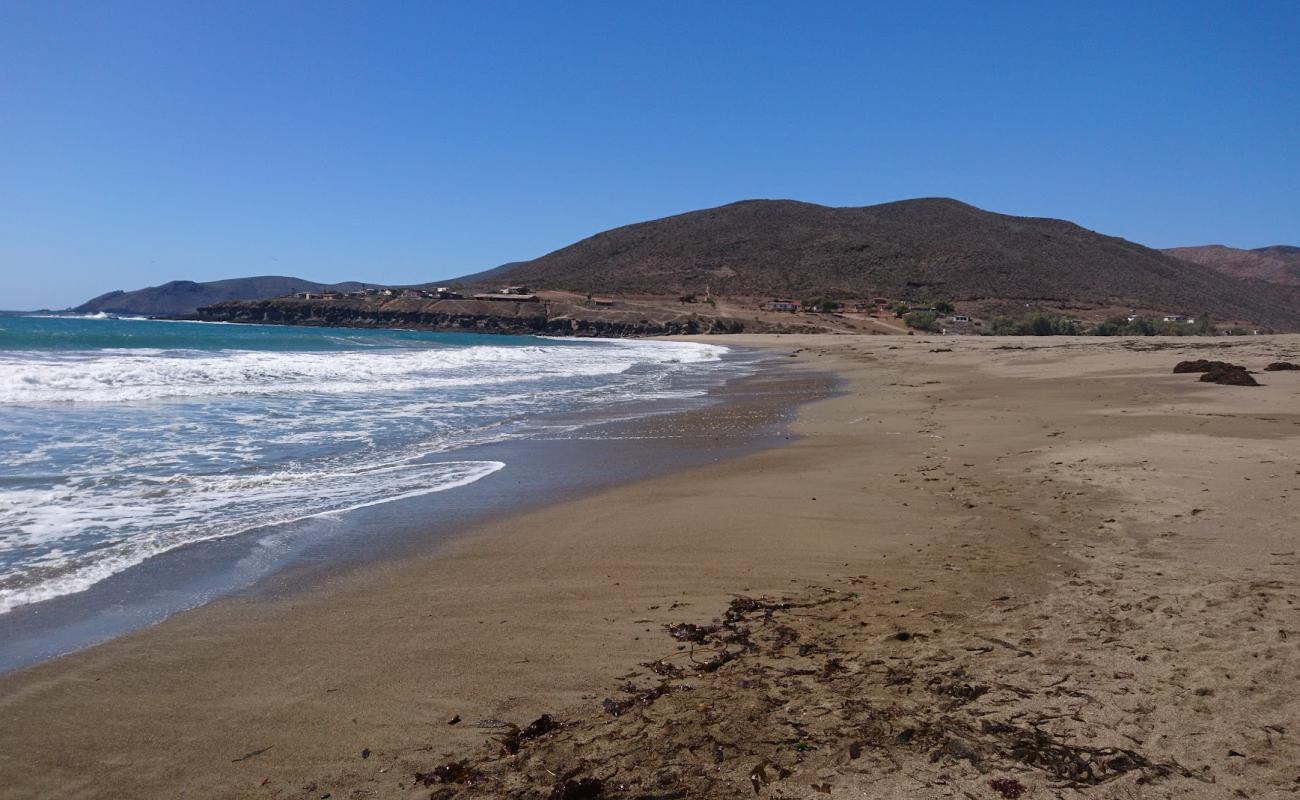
1201, 365
1217, 372
1231, 375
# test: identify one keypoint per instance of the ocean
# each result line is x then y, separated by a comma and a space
123, 439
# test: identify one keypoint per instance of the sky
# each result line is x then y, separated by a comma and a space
414, 141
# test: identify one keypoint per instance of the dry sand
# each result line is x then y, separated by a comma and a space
1091, 563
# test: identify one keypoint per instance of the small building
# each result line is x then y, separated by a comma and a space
520, 290
445, 293
307, 295
509, 298
961, 318
782, 305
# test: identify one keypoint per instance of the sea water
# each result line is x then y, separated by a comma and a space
123, 439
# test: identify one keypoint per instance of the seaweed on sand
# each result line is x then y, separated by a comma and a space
780, 690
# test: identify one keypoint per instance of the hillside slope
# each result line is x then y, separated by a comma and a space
184, 297
926, 248
486, 277
1277, 264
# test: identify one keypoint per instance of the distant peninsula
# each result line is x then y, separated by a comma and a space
176, 298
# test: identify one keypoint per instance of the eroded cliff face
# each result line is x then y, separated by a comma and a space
472, 316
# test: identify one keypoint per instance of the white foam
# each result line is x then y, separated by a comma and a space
107, 376
124, 454
147, 527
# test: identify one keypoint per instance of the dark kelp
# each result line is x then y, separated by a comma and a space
1229, 376
791, 699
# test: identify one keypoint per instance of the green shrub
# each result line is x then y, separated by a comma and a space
922, 321
1036, 324
824, 305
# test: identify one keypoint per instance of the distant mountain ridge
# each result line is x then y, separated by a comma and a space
185, 297
935, 247
924, 249
1275, 264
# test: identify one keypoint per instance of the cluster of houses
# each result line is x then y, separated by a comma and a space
405, 293
792, 306
1167, 318
512, 293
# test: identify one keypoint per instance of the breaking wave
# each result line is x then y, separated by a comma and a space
113, 454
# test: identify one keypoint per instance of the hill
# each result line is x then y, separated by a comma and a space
184, 297
931, 248
485, 277
1277, 264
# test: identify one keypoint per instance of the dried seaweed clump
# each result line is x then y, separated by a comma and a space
1231, 375
1201, 365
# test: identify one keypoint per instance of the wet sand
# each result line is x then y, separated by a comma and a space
1074, 542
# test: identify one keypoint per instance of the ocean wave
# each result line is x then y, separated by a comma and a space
114, 376
132, 526
116, 453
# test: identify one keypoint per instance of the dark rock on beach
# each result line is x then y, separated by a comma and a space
1280, 366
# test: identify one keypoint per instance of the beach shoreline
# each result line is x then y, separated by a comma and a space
964, 492
627, 441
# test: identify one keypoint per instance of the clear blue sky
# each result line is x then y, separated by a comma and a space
401, 142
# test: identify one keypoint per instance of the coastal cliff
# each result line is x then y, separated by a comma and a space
552, 318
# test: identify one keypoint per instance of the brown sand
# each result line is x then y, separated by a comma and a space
1094, 561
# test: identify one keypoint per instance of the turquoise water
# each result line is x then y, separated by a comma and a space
90, 333
122, 439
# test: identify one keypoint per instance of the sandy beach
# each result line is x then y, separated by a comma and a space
983, 566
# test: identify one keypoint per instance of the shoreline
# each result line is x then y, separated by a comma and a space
279, 558
967, 496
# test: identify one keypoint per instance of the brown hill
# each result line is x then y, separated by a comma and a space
929, 248
1276, 264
